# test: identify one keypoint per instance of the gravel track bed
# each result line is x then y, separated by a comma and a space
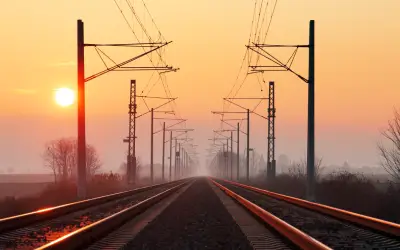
332, 232
196, 220
38, 234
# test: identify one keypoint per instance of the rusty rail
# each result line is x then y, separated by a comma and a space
85, 236
359, 219
22, 220
293, 234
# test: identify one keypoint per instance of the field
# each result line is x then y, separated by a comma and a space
22, 185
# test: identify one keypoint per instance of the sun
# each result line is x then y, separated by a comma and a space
64, 97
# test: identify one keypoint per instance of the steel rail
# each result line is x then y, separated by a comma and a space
23, 220
297, 237
87, 235
386, 227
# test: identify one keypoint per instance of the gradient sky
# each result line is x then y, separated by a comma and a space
357, 80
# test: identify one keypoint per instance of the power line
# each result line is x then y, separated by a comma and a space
168, 93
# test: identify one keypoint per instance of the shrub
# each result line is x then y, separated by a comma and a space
344, 190
349, 191
100, 184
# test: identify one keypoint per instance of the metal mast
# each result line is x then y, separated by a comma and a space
163, 154
131, 157
271, 163
81, 114
82, 79
238, 153
281, 66
152, 146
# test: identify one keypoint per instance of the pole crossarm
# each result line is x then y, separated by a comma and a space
240, 106
219, 145
164, 111
173, 125
119, 65
246, 98
239, 119
157, 107
185, 140
214, 139
180, 121
245, 108
261, 45
180, 129
169, 70
156, 97
224, 121
218, 133
168, 119
122, 44
279, 64
177, 136
143, 68
228, 112
224, 130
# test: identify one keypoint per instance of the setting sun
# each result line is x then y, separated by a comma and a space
64, 97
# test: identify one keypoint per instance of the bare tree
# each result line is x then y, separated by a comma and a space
61, 157
93, 163
49, 161
390, 154
299, 169
56, 157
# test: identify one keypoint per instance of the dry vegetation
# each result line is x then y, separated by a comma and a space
353, 192
100, 184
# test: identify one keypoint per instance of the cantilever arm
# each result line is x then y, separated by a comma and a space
123, 63
232, 126
157, 107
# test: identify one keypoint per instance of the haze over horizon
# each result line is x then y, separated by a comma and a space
352, 38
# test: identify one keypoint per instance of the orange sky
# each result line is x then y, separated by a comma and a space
356, 74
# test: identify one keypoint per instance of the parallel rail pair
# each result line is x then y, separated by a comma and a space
298, 237
85, 235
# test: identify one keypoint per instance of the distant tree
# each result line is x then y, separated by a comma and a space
299, 169
61, 157
262, 164
93, 163
57, 157
346, 165
283, 163
390, 153
49, 162
123, 165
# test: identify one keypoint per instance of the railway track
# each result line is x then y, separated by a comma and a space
45, 227
197, 213
314, 226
